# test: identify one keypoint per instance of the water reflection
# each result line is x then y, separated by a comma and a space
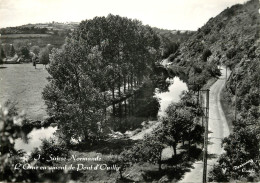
175, 88
35, 138
145, 105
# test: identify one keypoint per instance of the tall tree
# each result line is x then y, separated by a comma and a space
44, 56
36, 50
24, 51
2, 53
101, 52
12, 51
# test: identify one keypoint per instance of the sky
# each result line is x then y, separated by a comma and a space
166, 14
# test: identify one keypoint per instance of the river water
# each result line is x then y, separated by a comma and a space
175, 88
24, 84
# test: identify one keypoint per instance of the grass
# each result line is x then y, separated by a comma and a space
22, 83
14, 36
40, 40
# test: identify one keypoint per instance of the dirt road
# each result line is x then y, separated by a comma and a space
218, 129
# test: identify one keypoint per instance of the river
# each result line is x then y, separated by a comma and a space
23, 84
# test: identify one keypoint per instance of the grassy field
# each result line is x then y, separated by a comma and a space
23, 84
14, 36
34, 39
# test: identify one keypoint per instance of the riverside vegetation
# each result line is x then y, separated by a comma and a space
104, 64
231, 39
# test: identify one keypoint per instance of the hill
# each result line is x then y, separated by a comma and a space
41, 28
39, 34
54, 33
232, 39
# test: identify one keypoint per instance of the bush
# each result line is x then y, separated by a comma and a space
206, 30
10, 130
231, 53
206, 54
24, 51
170, 49
50, 148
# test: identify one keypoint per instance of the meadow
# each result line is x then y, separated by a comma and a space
23, 84
40, 40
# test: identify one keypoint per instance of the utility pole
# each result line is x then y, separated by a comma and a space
205, 154
226, 73
237, 71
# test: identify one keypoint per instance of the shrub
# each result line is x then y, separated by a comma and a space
50, 148
206, 30
231, 53
206, 54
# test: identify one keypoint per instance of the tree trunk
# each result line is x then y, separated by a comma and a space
125, 109
124, 85
129, 106
119, 95
131, 82
121, 173
174, 149
113, 95
105, 108
160, 162
128, 84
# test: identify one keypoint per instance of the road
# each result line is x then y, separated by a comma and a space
218, 129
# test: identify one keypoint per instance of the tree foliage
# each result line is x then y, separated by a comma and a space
12, 51
24, 51
100, 56
44, 56
2, 53
182, 122
35, 50
206, 53
148, 150
11, 129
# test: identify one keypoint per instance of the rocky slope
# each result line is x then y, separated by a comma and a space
232, 39
226, 39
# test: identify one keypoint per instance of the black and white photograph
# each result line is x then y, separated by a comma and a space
129, 91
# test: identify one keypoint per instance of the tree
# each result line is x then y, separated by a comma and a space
44, 56
24, 51
49, 47
176, 123
11, 129
240, 147
49, 148
169, 49
149, 150
2, 53
206, 53
36, 50
71, 96
12, 51
99, 57
181, 121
